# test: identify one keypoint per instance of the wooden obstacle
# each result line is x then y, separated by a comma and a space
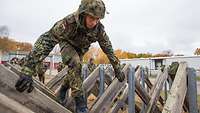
112, 95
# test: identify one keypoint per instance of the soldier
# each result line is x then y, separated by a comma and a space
173, 69
41, 68
91, 65
74, 34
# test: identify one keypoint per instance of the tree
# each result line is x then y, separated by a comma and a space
7, 45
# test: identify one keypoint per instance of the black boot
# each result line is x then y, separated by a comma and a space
62, 94
81, 104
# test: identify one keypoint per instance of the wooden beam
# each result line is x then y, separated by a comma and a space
149, 84
121, 101
144, 95
105, 101
174, 103
37, 83
36, 100
90, 81
8, 105
156, 93
56, 81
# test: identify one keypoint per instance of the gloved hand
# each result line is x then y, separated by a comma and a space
23, 83
120, 75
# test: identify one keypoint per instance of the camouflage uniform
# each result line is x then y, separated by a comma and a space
41, 68
74, 40
91, 65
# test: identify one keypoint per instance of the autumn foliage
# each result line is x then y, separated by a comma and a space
197, 51
7, 45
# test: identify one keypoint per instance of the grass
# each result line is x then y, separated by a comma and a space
198, 78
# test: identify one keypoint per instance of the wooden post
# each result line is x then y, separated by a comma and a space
143, 86
131, 91
174, 103
123, 99
35, 101
101, 80
192, 90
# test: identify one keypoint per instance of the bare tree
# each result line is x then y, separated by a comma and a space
4, 31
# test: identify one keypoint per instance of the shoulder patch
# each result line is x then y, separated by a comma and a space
70, 18
59, 28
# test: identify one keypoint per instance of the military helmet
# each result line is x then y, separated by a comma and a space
94, 8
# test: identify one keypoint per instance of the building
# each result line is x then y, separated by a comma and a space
155, 63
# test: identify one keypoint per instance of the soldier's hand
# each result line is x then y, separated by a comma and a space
25, 82
120, 75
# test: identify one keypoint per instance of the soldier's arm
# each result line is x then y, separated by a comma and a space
107, 48
43, 46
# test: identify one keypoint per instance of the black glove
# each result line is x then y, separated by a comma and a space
120, 75
23, 83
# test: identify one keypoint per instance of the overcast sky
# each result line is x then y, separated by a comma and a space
132, 25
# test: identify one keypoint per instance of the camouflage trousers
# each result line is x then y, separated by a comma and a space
73, 59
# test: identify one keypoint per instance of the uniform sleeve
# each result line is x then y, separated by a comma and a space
106, 46
43, 46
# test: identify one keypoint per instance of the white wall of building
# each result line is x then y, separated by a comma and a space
192, 61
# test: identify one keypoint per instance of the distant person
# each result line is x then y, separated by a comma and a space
14, 60
41, 68
22, 61
60, 66
91, 65
74, 33
173, 69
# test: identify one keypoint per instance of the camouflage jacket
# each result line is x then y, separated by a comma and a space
70, 30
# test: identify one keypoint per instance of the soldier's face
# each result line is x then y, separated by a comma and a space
91, 21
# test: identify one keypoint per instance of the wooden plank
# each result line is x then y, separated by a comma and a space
8, 105
56, 81
174, 103
105, 101
90, 81
149, 84
121, 101
156, 94
37, 83
159, 75
144, 95
36, 100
